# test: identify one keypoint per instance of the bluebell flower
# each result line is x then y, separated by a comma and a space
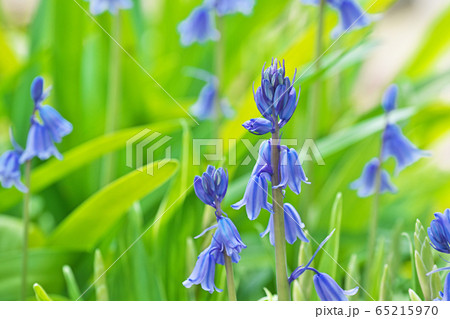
113, 6
205, 106
326, 287
199, 26
212, 186
276, 97
259, 126
351, 15
366, 184
445, 295
39, 144
291, 171
396, 145
225, 7
47, 126
10, 167
389, 102
293, 226
439, 232
204, 270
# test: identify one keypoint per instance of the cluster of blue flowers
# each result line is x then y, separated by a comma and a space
211, 188
394, 144
439, 234
200, 25
276, 100
113, 6
351, 15
47, 127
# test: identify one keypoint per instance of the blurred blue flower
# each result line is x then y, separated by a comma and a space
439, 232
199, 26
47, 126
205, 106
113, 6
39, 143
225, 7
445, 295
293, 226
326, 287
212, 186
276, 97
291, 170
259, 126
351, 15
389, 102
395, 144
204, 270
366, 184
10, 167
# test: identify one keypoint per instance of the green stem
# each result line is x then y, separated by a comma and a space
113, 99
230, 278
283, 289
26, 222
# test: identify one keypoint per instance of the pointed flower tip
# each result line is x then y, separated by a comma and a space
390, 98
37, 88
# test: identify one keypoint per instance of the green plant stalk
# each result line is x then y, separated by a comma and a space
219, 59
26, 222
283, 289
113, 99
230, 278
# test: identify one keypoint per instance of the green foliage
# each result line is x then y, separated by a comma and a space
40, 293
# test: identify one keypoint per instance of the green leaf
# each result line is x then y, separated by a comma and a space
11, 234
302, 288
413, 296
98, 214
40, 293
385, 286
353, 277
53, 170
71, 283
101, 288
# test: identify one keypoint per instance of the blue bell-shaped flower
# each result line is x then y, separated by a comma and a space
39, 143
439, 232
199, 26
226, 7
366, 184
113, 6
10, 167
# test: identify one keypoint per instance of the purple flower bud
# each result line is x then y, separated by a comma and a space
293, 226
39, 143
439, 232
395, 144
389, 102
212, 186
366, 184
225, 7
113, 6
37, 89
328, 290
199, 26
259, 126
227, 236
10, 170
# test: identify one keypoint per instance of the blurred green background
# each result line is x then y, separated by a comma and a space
74, 212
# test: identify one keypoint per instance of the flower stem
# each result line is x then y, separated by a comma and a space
112, 106
278, 221
230, 278
26, 222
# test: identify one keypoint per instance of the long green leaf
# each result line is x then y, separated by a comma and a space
40, 293
94, 218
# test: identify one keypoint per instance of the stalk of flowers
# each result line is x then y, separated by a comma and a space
376, 180
226, 243
47, 127
276, 100
200, 26
439, 234
326, 287
113, 111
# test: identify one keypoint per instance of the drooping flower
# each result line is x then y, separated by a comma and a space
47, 126
292, 224
113, 6
276, 97
205, 106
211, 188
10, 167
396, 145
445, 295
366, 184
326, 287
199, 26
439, 232
351, 15
291, 171
204, 270
259, 126
225, 7
389, 102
